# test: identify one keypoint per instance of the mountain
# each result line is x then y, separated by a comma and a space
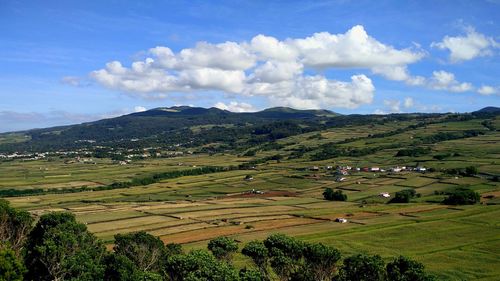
205, 129
489, 109
166, 126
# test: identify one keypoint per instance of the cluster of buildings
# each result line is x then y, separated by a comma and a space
345, 170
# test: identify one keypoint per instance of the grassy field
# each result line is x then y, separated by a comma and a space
455, 243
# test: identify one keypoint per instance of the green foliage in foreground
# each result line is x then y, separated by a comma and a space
11, 268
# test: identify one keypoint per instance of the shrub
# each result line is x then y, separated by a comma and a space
336, 195
462, 197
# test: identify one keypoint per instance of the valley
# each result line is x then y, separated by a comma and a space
273, 181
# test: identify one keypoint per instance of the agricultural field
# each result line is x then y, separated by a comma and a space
286, 196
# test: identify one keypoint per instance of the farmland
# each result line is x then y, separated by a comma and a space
454, 242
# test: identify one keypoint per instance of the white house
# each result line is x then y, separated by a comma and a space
385, 195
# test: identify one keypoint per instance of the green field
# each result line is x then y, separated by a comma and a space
455, 243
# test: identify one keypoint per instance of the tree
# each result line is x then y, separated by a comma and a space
14, 227
146, 251
285, 254
119, 268
259, 254
321, 261
403, 196
59, 248
462, 196
223, 248
405, 269
199, 265
250, 275
362, 268
471, 171
11, 268
173, 249
336, 195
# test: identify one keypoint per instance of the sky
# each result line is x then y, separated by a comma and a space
66, 62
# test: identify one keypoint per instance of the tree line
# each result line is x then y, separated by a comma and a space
138, 181
58, 247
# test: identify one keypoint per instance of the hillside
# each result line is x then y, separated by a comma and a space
209, 129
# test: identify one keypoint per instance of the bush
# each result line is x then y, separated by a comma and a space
403, 196
223, 248
11, 268
462, 197
471, 171
336, 195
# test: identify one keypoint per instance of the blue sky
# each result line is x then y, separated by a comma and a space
347, 56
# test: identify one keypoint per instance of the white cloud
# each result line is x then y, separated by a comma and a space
408, 102
467, 47
394, 106
139, 109
234, 106
226, 56
270, 48
74, 81
442, 80
398, 73
355, 48
487, 90
275, 71
285, 72
317, 92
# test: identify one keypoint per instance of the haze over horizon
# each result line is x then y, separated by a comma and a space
64, 63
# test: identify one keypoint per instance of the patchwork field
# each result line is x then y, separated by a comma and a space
454, 242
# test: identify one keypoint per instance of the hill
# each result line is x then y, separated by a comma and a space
206, 129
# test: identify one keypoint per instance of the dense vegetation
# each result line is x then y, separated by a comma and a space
60, 248
336, 195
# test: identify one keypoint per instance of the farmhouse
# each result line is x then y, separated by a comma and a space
420, 169
385, 195
396, 169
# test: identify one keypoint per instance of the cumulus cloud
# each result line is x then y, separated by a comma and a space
487, 90
473, 44
318, 92
398, 73
442, 80
234, 106
283, 71
355, 48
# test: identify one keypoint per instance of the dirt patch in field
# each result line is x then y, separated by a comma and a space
209, 233
487, 196
265, 194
